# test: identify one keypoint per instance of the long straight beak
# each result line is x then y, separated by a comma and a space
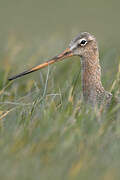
63, 55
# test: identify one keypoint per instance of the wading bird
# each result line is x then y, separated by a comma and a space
85, 46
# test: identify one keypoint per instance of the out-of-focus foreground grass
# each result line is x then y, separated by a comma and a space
46, 130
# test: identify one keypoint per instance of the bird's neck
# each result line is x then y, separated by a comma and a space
91, 77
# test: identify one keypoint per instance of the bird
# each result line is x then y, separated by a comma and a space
85, 46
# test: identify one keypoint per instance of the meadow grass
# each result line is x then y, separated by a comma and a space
46, 129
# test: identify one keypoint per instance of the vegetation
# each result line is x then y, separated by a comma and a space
46, 130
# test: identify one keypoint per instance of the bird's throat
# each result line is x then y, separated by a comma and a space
91, 79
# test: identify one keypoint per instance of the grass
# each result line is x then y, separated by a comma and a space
46, 130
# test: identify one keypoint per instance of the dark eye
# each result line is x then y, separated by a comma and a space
83, 42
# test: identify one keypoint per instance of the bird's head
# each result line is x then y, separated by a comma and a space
83, 45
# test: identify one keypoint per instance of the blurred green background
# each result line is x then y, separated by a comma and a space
34, 20
46, 130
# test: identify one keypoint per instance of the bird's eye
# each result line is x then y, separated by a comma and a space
83, 42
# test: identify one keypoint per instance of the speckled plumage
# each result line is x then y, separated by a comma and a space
93, 91
85, 46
